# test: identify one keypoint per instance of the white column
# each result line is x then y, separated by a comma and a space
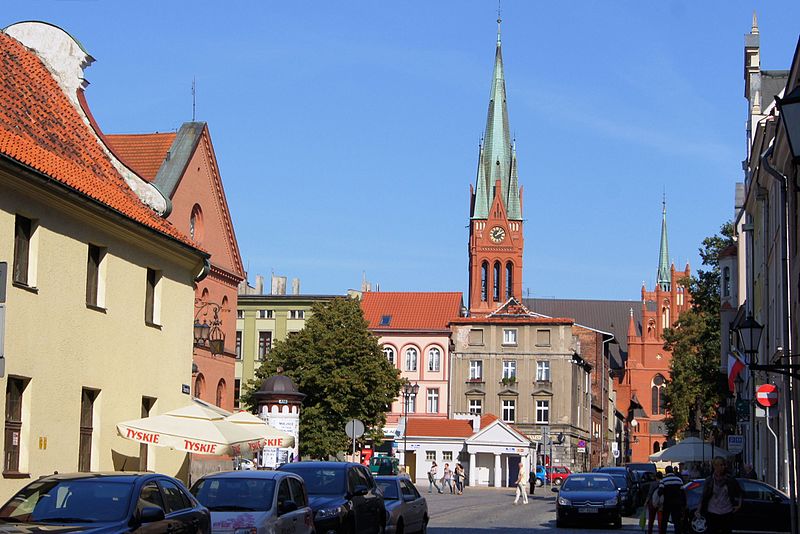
472, 467
498, 472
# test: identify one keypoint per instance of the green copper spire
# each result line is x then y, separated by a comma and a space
497, 160
664, 279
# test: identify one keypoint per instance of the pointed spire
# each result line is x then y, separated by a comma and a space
753, 30
631, 326
664, 280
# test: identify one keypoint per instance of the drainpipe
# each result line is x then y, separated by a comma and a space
787, 381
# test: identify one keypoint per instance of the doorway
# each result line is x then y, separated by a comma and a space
411, 464
512, 468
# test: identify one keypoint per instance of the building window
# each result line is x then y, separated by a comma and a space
430, 456
509, 369
237, 392
220, 398
297, 314
509, 280
411, 359
476, 369
388, 352
411, 404
88, 397
385, 320
23, 235
659, 404
95, 287
476, 336
199, 385
265, 314
447, 456
542, 411
543, 371
665, 322
509, 336
496, 282
476, 406
484, 276
543, 338
196, 223
509, 410
238, 344
240, 314
726, 282
14, 388
152, 297
264, 344
147, 406
433, 400
434, 359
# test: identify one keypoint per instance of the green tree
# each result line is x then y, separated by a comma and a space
337, 362
696, 387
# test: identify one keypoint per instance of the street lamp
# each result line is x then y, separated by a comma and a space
789, 106
207, 332
749, 332
409, 392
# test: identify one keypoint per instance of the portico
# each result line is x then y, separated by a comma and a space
495, 452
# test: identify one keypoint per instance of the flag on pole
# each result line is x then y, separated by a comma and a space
735, 366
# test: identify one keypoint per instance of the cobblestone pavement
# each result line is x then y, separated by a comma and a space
491, 510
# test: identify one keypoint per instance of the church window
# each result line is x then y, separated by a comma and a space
665, 322
496, 282
509, 280
656, 447
659, 386
196, 223
484, 276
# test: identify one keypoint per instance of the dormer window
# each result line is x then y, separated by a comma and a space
385, 320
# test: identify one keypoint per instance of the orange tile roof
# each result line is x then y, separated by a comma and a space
144, 153
410, 310
513, 320
40, 128
488, 419
438, 427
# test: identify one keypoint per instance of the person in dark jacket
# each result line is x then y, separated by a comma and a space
674, 501
722, 497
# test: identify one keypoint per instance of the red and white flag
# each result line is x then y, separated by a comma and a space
735, 366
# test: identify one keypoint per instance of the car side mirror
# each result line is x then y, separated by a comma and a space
151, 514
554, 489
409, 498
287, 506
360, 490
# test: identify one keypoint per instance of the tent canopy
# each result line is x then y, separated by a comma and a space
689, 450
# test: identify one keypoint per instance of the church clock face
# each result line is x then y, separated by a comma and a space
497, 234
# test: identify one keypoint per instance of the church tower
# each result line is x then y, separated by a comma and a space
495, 231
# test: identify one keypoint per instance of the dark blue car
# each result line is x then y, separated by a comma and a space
590, 497
105, 503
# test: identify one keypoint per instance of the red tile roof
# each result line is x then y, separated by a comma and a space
488, 419
144, 153
410, 310
438, 427
40, 128
513, 320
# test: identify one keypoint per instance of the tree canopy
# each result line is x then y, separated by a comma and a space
696, 386
340, 367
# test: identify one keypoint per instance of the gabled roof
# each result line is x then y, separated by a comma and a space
386, 311
438, 427
143, 153
41, 128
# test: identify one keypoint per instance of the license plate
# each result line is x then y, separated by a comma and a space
587, 510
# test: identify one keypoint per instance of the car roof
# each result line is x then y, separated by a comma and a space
321, 465
388, 477
112, 476
589, 474
250, 474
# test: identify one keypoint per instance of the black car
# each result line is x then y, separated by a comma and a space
406, 509
593, 497
343, 496
627, 485
105, 503
764, 508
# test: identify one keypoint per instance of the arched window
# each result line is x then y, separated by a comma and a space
658, 401
204, 295
484, 281
656, 447
199, 385
726, 282
389, 353
411, 359
196, 223
665, 322
496, 282
220, 392
434, 359
509, 280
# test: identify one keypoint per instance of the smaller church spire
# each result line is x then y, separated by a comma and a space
631, 326
664, 280
753, 30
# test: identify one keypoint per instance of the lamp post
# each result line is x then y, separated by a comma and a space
207, 331
409, 392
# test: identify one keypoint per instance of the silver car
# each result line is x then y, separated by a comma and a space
406, 509
255, 502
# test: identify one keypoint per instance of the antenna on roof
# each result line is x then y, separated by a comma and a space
194, 98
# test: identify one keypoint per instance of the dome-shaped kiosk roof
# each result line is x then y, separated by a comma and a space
278, 386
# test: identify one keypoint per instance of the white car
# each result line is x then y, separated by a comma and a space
255, 502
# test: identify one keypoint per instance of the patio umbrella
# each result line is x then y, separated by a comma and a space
689, 450
197, 429
274, 436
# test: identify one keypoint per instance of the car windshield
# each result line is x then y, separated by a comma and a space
320, 480
584, 483
389, 489
220, 494
620, 481
89, 500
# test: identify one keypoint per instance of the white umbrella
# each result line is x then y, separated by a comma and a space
197, 429
689, 450
273, 436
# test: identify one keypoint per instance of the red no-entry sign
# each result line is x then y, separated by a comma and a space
767, 395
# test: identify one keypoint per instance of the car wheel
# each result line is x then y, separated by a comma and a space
560, 523
618, 522
399, 528
424, 529
557, 482
539, 483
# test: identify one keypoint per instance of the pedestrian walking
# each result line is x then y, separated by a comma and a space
522, 485
749, 472
447, 478
459, 474
674, 505
722, 497
402, 473
655, 504
432, 479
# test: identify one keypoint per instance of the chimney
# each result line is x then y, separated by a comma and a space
295, 286
259, 284
278, 285
474, 419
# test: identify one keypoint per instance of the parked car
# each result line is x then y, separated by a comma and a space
627, 485
104, 502
406, 509
537, 479
343, 496
267, 501
764, 508
642, 466
592, 497
558, 474
384, 465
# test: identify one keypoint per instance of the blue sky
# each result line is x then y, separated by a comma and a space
347, 132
